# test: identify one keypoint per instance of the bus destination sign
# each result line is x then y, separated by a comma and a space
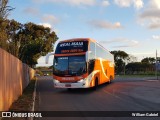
72, 47
71, 44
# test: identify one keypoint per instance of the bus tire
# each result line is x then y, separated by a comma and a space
110, 79
96, 84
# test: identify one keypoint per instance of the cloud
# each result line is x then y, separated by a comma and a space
154, 25
129, 43
32, 11
151, 15
127, 3
47, 20
138, 4
154, 4
105, 24
50, 19
123, 3
122, 42
76, 3
105, 3
143, 53
70, 2
46, 25
156, 37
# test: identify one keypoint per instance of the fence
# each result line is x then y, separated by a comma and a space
14, 77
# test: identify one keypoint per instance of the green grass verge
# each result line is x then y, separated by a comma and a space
134, 76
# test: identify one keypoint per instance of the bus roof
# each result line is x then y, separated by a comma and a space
83, 39
78, 39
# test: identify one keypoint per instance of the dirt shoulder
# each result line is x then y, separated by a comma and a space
24, 102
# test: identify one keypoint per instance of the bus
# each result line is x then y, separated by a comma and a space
81, 63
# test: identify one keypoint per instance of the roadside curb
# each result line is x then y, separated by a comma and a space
34, 98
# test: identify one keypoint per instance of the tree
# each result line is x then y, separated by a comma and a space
133, 67
120, 58
3, 34
26, 41
158, 59
139, 67
132, 58
4, 9
14, 43
150, 60
8, 35
35, 41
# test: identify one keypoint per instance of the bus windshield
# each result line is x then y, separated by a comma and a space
69, 66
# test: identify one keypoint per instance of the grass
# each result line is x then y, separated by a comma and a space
24, 102
137, 76
134, 76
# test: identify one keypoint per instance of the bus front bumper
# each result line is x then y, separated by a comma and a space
81, 84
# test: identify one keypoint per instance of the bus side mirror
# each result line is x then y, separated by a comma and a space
89, 52
47, 57
87, 55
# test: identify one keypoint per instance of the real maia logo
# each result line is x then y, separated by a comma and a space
66, 44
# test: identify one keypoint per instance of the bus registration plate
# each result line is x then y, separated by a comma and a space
67, 85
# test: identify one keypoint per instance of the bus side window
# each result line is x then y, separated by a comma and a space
92, 49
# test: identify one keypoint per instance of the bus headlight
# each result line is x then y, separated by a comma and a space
82, 80
56, 81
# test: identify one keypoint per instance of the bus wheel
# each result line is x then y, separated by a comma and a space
110, 79
96, 84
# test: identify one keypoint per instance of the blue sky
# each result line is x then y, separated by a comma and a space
129, 25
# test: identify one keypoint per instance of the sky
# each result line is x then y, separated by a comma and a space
132, 26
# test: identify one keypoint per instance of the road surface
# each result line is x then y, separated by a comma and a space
132, 95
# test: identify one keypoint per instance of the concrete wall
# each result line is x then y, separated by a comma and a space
14, 77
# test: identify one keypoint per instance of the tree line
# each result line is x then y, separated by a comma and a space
28, 41
127, 64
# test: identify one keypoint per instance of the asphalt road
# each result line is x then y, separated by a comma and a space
131, 95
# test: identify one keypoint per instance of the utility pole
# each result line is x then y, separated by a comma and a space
124, 69
156, 66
